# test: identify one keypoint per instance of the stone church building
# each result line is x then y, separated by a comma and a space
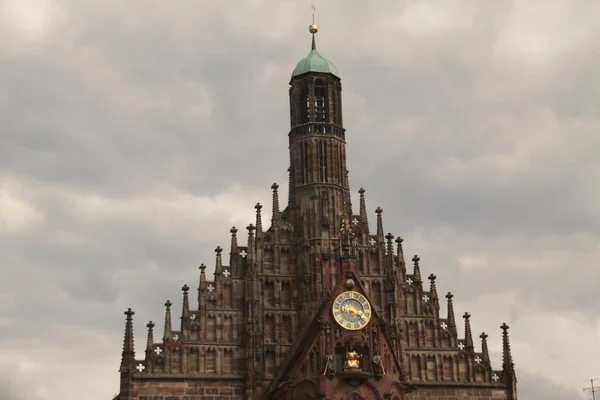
316, 303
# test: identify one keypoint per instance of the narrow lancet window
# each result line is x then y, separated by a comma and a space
305, 164
322, 154
339, 166
302, 171
325, 174
305, 105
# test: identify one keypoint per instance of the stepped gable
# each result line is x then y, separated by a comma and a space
318, 305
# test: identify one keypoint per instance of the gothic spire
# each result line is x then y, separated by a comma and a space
379, 210
468, 336
451, 319
390, 250
128, 354
168, 329
250, 256
347, 194
233, 254
400, 252
258, 207
150, 341
185, 312
484, 347
202, 285
275, 188
433, 289
417, 269
218, 262
364, 221
508, 368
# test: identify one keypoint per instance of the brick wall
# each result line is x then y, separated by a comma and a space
150, 390
457, 394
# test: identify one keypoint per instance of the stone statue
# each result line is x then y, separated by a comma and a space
378, 365
329, 365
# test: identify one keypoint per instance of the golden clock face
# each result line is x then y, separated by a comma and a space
351, 310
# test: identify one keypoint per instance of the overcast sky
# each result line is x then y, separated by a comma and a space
134, 134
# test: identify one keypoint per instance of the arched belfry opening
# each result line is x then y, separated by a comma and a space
304, 105
319, 101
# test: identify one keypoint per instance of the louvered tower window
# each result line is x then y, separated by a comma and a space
305, 106
320, 110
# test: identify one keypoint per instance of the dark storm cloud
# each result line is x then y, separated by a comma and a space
134, 137
141, 96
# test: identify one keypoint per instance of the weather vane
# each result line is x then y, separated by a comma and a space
313, 28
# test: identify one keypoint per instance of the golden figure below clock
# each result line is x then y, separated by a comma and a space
351, 310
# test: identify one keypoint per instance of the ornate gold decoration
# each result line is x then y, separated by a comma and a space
352, 361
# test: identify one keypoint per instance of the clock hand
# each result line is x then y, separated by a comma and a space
361, 314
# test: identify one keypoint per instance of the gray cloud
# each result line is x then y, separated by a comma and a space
535, 386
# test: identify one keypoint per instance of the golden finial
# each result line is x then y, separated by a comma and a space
313, 28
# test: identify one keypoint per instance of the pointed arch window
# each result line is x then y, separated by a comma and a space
305, 105
320, 95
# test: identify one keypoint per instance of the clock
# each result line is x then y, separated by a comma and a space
351, 310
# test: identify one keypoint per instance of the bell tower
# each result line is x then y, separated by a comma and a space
319, 190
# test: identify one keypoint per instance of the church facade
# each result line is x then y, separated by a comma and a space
318, 303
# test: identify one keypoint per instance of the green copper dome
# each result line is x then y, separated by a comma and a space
315, 62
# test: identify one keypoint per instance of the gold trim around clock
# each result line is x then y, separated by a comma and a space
351, 310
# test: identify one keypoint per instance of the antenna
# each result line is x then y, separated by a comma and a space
592, 388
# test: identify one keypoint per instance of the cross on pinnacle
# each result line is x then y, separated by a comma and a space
185, 288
